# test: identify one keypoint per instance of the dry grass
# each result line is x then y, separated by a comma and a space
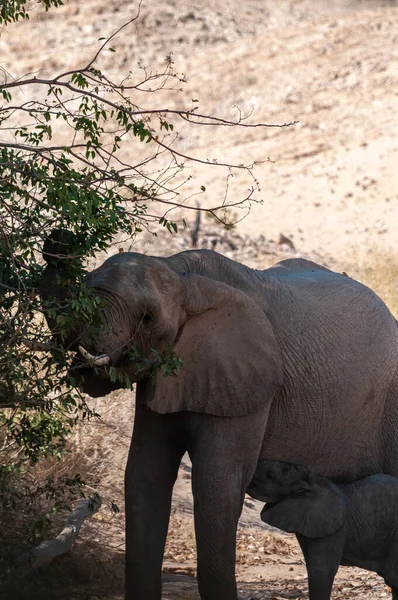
35, 504
94, 568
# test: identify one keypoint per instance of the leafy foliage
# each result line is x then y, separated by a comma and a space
165, 363
13, 10
63, 165
74, 186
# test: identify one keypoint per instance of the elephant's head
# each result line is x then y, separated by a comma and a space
231, 360
299, 501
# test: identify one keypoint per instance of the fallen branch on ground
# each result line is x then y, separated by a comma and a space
49, 549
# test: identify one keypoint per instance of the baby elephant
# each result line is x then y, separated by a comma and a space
354, 524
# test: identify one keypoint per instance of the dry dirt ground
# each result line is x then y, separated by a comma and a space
331, 189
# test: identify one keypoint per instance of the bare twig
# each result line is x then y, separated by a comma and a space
36, 346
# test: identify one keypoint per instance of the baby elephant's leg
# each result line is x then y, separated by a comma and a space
322, 558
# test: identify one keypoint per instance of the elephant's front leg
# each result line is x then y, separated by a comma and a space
322, 558
224, 454
155, 455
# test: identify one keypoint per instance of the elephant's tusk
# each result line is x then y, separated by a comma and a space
101, 360
97, 361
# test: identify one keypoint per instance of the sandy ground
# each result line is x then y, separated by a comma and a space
331, 188
332, 66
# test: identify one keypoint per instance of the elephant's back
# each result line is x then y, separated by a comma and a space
304, 298
291, 266
313, 295
340, 345
300, 273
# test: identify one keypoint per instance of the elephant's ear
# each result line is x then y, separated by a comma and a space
317, 512
232, 363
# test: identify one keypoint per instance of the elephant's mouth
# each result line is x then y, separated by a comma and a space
92, 380
98, 374
254, 491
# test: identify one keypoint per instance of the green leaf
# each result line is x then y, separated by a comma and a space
5, 93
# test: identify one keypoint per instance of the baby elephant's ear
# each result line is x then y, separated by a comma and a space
317, 512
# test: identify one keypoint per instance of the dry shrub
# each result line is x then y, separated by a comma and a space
38, 500
35, 503
37, 508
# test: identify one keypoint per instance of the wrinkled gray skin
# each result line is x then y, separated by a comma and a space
293, 363
354, 524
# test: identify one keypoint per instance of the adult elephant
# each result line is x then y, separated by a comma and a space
294, 363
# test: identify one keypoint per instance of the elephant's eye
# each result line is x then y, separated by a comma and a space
147, 318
